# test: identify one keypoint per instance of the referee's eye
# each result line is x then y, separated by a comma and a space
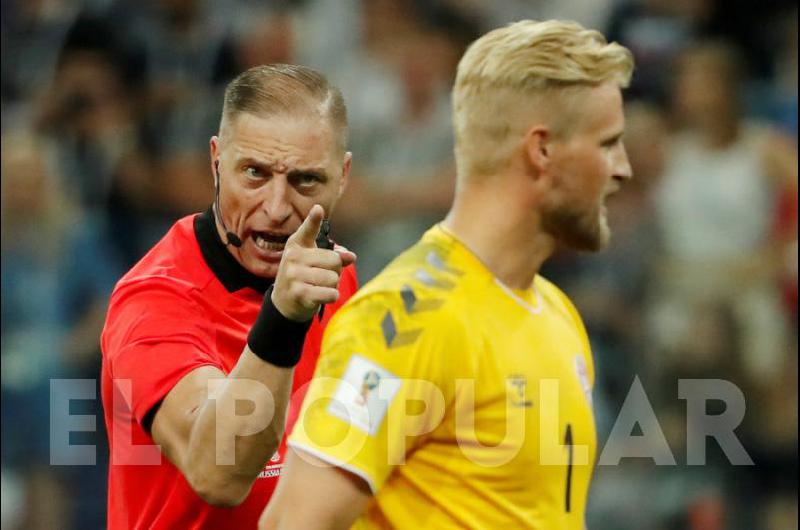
306, 180
253, 172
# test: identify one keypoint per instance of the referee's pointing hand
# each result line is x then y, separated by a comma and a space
308, 276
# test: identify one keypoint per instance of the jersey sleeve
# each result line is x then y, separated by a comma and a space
155, 334
383, 382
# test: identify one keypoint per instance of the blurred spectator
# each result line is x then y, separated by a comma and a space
87, 114
332, 34
36, 30
656, 31
57, 275
589, 13
717, 310
367, 74
408, 159
264, 37
151, 191
775, 99
715, 205
34, 217
94, 123
185, 50
187, 59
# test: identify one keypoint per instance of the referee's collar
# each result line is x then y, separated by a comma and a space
224, 266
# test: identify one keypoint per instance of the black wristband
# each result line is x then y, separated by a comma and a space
276, 339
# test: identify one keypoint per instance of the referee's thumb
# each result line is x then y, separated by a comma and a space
306, 235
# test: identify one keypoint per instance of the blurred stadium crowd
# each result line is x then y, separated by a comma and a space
107, 107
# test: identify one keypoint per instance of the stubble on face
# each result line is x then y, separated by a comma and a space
576, 227
575, 213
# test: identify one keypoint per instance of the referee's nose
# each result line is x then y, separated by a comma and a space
276, 201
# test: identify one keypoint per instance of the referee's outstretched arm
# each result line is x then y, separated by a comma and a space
201, 426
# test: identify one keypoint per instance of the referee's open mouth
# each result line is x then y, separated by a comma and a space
269, 244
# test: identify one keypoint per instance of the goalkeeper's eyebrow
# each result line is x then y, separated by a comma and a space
613, 139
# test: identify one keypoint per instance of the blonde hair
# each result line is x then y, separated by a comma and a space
526, 66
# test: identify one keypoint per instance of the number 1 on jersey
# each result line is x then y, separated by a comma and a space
568, 443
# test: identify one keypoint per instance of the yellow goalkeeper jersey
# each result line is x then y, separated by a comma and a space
461, 402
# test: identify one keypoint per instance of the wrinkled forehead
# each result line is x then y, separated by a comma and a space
310, 119
313, 118
280, 139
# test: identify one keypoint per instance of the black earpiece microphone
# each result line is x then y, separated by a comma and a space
232, 239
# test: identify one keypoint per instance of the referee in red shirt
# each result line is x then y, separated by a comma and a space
208, 334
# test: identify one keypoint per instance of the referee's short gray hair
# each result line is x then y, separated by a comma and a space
286, 89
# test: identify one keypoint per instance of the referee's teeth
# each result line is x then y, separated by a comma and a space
266, 245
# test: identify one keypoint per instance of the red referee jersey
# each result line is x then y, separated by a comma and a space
187, 303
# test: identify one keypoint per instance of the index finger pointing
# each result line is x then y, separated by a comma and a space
306, 235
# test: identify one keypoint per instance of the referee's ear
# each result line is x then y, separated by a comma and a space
214, 151
346, 166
